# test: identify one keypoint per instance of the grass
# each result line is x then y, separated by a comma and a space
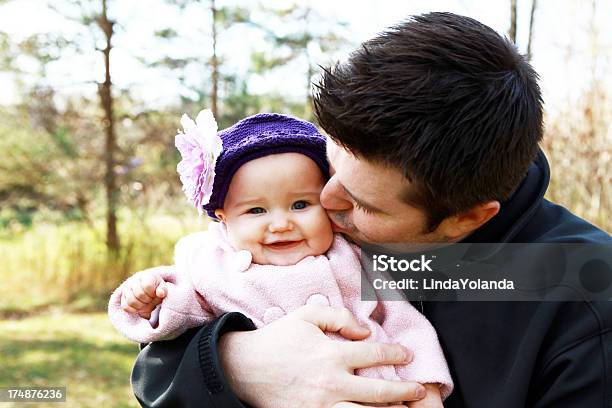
49, 273
67, 264
79, 351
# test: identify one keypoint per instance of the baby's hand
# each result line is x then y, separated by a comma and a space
142, 293
431, 400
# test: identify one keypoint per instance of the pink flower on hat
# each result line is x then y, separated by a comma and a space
200, 146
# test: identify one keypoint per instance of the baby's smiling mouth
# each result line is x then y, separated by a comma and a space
281, 245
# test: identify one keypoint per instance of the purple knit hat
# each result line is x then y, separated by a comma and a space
258, 136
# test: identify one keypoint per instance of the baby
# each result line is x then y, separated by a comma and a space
272, 251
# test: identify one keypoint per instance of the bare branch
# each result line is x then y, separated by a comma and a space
512, 30
534, 5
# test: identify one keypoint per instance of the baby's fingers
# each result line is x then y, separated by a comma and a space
130, 304
138, 298
125, 304
149, 284
146, 312
161, 290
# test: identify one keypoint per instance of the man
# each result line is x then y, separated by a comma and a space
434, 129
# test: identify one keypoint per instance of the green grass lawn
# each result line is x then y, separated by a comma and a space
79, 351
52, 272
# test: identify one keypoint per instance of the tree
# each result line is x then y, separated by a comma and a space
91, 15
298, 40
6, 57
214, 61
221, 19
108, 123
534, 5
41, 156
512, 29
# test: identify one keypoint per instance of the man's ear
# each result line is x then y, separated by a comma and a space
220, 214
462, 225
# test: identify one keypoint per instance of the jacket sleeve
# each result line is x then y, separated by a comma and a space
406, 326
186, 371
181, 309
579, 377
579, 373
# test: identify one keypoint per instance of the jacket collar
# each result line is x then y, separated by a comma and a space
516, 212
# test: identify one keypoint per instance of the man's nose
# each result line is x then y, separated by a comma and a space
333, 197
280, 223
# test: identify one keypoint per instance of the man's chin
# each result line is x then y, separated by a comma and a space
349, 233
339, 229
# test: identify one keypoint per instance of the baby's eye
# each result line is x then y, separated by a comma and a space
256, 210
300, 205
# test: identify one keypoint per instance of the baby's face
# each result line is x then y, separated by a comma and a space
272, 210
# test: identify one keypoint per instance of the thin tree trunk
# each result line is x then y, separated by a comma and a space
512, 30
534, 5
592, 110
309, 104
214, 62
106, 100
310, 72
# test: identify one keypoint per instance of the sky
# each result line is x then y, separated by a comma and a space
568, 54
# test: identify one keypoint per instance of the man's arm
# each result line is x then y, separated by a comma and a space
290, 362
185, 372
578, 378
578, 374
293, 363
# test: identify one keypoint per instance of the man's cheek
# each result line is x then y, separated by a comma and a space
361, 220
368, 226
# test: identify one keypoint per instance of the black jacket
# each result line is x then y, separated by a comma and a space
501, 354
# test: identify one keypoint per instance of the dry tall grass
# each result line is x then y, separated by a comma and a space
578, 145
68, 264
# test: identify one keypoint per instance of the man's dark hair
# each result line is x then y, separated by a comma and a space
447, 101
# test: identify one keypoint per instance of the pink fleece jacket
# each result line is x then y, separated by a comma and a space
210, 278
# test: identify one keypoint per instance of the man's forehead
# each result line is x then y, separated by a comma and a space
330, 146
365, 179
337, 153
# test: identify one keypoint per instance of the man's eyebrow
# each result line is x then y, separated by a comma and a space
362, 203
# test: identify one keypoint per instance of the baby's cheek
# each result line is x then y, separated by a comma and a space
241, 236
259, 258
322, 232
250, 243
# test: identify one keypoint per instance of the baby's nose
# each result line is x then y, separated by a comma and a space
280, 224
